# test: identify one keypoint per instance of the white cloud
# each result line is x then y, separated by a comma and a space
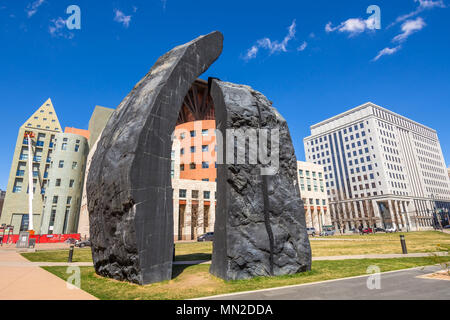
352, 26
409, 27
302, 46
57, 28
272, 46
423, 5
122, 18
251, 53
32, 7
386, 52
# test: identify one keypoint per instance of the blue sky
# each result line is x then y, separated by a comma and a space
313, 59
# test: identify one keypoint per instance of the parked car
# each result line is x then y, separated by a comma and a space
83, 243
379, 230
209, 236
311, 231
367, 230
71, 240
447, 226
391, 229
327, 232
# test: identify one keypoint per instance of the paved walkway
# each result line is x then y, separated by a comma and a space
403, 284
23, 280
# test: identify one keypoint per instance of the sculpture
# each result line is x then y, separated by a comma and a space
129, 185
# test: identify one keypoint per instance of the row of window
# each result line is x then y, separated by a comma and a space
192, 165
205, 148
193, 133
194, 194
402, 122
307, 173
317, 202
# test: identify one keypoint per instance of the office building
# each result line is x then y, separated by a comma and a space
44, 125
380, 168
63, 193
312, 190
97, 123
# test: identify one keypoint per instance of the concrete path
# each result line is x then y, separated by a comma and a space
23, 280
348, 257
403, 284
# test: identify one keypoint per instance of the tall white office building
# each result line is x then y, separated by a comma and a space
380, 168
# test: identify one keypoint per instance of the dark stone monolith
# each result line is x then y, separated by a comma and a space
260, 227
129, 186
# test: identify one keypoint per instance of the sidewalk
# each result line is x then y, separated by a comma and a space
23, 280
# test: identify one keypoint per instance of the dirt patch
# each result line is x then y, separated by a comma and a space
440, 275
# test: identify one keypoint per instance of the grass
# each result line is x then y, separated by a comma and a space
195, 281
379, 243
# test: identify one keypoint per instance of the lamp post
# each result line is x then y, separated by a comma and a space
28, 136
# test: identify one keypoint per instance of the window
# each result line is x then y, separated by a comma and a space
64, 146
74, 165
195, 194
58, 182
206, 180
18, 185
55, 199
181, 167
182, 193
192, 166
77, 147
182, 151
192, 149
71, 183
61, 164
69, 200
204, 132
182, 136
205, 148
300, 172
205, 165
206, 194
192, 133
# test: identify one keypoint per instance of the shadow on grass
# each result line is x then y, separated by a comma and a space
194, 257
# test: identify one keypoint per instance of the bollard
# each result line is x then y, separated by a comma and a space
173, 259
403, 243
70, 253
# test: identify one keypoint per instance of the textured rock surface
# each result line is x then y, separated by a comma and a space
129, 188
253, 209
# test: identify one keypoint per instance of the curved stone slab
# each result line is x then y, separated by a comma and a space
129, 186
260, 227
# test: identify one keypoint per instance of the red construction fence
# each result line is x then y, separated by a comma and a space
42, 238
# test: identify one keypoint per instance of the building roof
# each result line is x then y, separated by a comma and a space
44, 118
365, 105
81, 132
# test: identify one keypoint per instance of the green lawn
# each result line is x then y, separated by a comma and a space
195, 281
368, 244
